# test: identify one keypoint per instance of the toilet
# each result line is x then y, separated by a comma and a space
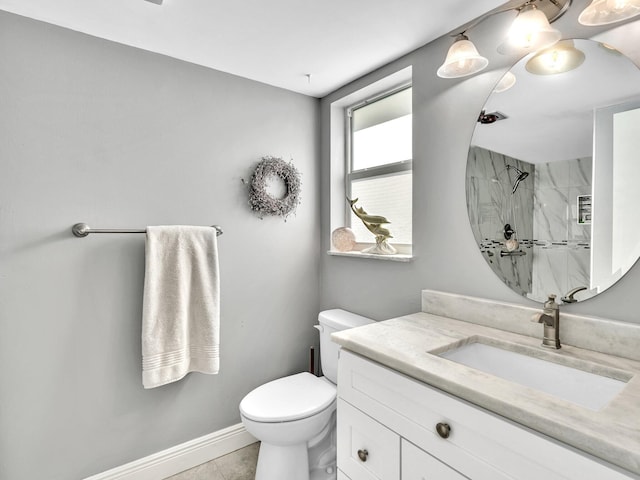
294, 417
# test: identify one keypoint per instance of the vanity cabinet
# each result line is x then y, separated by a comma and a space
392, 427
419, 465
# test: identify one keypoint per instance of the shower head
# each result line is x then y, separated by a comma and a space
521, 176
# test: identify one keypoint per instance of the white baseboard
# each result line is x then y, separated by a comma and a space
181, 457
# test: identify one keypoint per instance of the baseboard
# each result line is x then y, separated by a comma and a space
181, 457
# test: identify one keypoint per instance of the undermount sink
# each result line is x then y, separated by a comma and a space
580, 387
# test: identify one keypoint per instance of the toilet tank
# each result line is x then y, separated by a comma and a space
334, 321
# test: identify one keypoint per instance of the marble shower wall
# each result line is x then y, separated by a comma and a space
562, 255
543, 211
491, 205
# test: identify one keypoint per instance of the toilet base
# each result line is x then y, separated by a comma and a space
277, 462
314, 460
322, 453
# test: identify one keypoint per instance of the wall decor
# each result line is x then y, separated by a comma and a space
343, 239
261, 201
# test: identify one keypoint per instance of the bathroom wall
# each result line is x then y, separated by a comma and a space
562, 255
446, 254
97, 132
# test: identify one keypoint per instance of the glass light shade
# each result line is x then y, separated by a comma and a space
508, 81
529, 32
560, 58
462, 59
604, 12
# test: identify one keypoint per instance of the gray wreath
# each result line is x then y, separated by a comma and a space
264, 204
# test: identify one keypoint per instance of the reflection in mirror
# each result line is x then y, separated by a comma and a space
549, 213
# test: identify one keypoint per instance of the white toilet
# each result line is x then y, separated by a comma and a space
294, 417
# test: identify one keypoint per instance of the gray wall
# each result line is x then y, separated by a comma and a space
446, 255
97, 132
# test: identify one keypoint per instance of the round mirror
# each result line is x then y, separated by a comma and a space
553, 170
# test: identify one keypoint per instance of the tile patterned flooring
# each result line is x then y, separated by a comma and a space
238, 465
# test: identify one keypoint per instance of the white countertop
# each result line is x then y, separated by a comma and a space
409, 345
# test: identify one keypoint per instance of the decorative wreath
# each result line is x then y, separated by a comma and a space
264, 204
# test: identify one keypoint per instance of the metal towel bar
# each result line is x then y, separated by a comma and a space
82, 230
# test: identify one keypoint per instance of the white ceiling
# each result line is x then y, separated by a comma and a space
278, 42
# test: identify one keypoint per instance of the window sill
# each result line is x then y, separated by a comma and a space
398, 257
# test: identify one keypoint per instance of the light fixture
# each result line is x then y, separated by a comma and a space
604, 12
508, 81
560, 58
462, 59
529, 32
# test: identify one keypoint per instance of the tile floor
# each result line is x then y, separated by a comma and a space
238, 465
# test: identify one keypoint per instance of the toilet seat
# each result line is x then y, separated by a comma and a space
289, 398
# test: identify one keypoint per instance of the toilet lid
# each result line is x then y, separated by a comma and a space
289, 398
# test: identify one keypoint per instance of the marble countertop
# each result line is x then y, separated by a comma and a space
410, 345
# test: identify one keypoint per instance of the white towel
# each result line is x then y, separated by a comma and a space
181, 307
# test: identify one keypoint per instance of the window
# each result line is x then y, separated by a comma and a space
378, 163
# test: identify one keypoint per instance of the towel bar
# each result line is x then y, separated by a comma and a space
82, 230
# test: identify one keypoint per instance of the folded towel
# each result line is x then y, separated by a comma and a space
181, 308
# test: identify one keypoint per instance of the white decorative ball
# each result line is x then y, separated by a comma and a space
343, 239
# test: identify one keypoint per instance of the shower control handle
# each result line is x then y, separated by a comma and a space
443, 429
508, 231
362, 455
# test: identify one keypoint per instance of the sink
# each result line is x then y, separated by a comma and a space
580, 387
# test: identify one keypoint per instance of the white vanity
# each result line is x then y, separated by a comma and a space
405, 412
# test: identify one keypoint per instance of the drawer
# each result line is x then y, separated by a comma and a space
419, 465
481, 445
366, 450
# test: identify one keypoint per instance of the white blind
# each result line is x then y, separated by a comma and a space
383, 110
388, 196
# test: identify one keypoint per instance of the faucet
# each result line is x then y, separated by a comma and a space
550, 318
568, 297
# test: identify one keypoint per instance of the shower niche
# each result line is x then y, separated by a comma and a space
584, 209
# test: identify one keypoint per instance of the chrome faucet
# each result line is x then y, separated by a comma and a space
550, 318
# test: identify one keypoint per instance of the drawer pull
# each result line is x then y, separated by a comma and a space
362, 455
443, 429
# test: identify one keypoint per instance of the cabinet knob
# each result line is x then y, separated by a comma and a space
443, 429
362, 455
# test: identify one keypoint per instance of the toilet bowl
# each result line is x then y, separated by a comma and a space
294, 417
286, 415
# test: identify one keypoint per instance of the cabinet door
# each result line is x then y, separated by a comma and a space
419, 465
342, 476
366, 450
